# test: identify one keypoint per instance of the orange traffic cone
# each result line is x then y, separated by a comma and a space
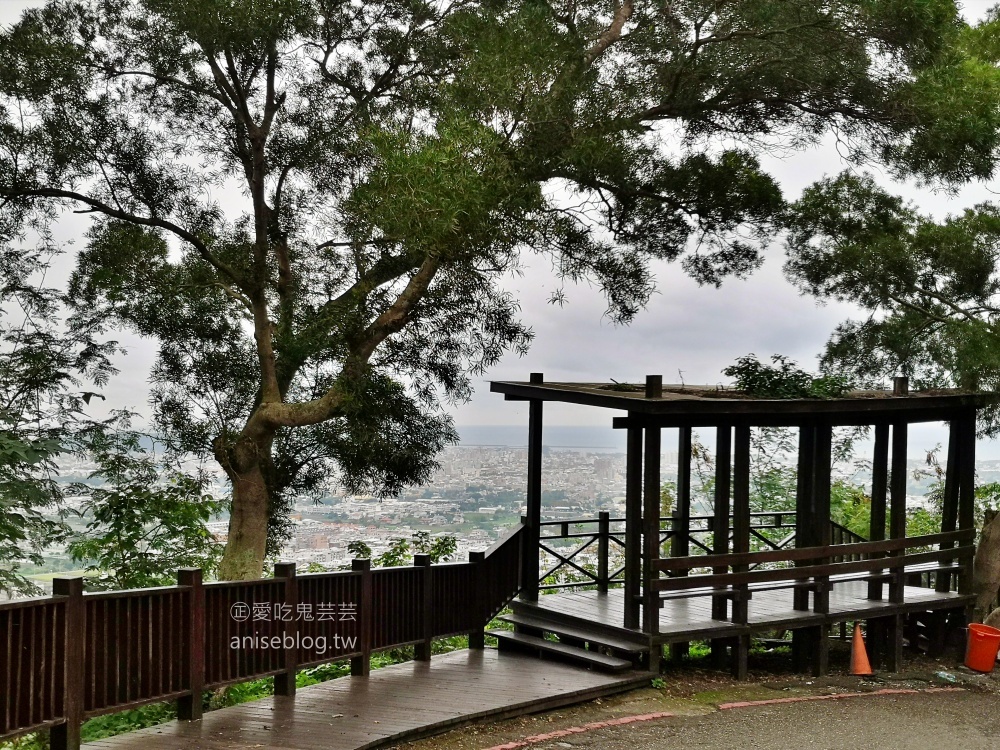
859, 655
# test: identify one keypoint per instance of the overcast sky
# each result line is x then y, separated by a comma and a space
686, 328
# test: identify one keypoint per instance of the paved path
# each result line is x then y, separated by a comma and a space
404, 700
921, 721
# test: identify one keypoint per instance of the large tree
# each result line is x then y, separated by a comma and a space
929, 287
311, 205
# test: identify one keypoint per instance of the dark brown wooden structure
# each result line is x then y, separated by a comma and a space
394, 704
76, 655
829, 576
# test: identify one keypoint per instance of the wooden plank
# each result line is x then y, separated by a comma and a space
707, 408
566, 651
810, 571
811, 553
577, 633
404, 701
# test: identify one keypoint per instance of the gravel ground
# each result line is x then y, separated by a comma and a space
952, 721
966, 720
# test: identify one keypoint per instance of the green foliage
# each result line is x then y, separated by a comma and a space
26, 491
401, 550
440, 548
929, 288
145, 521
45, 371
388, 165
783, 380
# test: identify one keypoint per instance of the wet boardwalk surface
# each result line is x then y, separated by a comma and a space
392, 704
683, 618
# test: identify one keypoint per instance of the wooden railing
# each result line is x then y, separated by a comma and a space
605, 535
602, 535
885, 561
72, 656
760, 522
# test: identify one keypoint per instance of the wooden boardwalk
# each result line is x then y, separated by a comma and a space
691, 619
393, 704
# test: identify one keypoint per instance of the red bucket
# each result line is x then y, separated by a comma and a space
981, 651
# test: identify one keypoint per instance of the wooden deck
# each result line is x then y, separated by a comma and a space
392, 704
691, 619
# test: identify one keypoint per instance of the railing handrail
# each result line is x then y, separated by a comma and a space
125, 593
30, 601
671, 564
195, 622
504, 538
807, 571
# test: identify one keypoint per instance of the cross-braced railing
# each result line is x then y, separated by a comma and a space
565, 565
585, 553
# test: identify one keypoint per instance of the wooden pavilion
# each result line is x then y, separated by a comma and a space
917, 588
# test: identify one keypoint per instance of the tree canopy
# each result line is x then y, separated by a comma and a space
45, 379
931, 288
312, 205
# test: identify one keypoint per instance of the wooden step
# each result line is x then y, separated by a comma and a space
522, 641
578, 633
530, 609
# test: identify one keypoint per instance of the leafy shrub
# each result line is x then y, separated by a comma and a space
783, 379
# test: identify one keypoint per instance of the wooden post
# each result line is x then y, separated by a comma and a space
284, 682
66, 736
880, 483
654, 386
189, 707
720, 531
422, 651
633, 525
361, 664
651, 541
529, 564
949, 510
477, 637
804, 505
720, 517
891, 635
803, 639
821, 536
966, 491
603, 543
741, 544
680, 545
897, 504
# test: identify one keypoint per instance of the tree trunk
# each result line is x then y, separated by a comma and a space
986, 566
243, 558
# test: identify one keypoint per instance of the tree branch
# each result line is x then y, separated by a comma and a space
611, 34
115, 213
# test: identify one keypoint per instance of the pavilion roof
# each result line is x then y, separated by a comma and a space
716, 401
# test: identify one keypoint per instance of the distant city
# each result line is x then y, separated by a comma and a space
475, 495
